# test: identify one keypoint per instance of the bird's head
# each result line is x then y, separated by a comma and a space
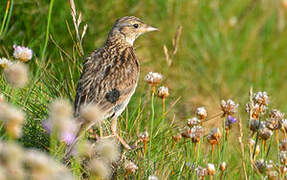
129, 28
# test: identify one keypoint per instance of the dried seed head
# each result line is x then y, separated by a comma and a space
176, 137
260, 165
91, 114
275, 113
43, 166
152, 177
261, 98
17, 74
264, 133
153, 78
283, 145
22, 53
273, 123
108, 149
85, 149
201, 113
144, 137
272, 175
60, 109
186, 133
283, 125
222, 166
5, 63
162, 92
130, 167
214, 136
254, 125
283, 157
12, 119
99, 169
229, 107
196, 133
211, 169
193, 122
201, 172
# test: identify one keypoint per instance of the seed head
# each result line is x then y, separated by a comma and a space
201, 172
186, 133
196, 133
193, 122
108, 149
211, 169
201, 113
85, 149
162, 92
261, 98
283, 145
229, 107
12, 119
264, 133
176, 137
275, 113
152, 177
254, 125
283, 125
144, 137
214, 136
22, 53
99, 169
260, 165
17, 74
5, 63
222, 166
153, 78
130, 167
91, 115
283, 157
272, 175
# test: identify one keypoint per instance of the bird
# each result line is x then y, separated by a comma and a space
110, 73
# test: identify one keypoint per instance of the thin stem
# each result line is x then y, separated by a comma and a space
4, 19
47, 30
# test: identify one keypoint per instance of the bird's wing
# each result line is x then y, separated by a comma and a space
107, 80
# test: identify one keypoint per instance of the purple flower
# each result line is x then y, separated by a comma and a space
68, 137
230, 120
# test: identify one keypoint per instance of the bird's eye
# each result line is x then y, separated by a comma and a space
135, 25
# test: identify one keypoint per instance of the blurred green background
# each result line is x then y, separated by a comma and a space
225, 48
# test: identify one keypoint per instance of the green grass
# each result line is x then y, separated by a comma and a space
215, 60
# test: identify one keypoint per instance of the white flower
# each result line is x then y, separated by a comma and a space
261, 98
5, 62
22, 53
229, 107
153, 78
131, 167
201, 112
162, 92
193, 121
211, 169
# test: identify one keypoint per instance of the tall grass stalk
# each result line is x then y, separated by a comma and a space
5, 21
47, 30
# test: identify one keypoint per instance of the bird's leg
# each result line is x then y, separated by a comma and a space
114, 131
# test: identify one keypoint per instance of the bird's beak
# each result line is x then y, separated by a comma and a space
150, 28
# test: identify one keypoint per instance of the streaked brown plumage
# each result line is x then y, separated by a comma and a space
111, 73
